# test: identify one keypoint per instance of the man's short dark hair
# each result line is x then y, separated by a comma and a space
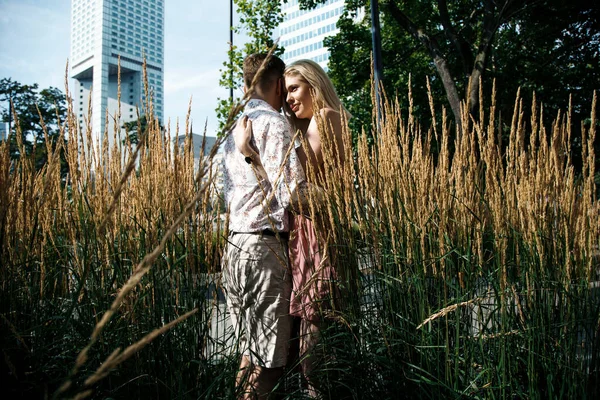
273, 69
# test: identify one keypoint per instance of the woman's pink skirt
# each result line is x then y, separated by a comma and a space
312, 274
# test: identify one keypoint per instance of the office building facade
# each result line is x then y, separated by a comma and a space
302, 31
102, 32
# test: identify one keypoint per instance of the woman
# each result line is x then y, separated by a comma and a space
309, 92
307, 83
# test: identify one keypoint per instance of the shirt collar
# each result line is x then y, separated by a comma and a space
259, 103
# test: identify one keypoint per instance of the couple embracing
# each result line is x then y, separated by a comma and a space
275, 275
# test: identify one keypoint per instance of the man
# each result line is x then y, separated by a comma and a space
257, 278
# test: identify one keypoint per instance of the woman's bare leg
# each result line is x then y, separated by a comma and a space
309, 337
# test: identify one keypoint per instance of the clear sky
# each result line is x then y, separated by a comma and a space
35, 43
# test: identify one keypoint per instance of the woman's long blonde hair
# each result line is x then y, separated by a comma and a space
322, 89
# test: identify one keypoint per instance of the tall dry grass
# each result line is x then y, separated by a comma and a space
131, 232
477, 261
467, 267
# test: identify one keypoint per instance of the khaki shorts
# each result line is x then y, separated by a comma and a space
258, 285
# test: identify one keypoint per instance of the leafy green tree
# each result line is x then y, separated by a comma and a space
258, 20
38, 113
549, 46
552, 48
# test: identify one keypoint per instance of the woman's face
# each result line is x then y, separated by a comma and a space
298, 96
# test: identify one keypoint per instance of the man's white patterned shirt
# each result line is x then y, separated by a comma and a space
257, 204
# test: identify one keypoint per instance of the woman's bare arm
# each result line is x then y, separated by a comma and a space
333, 123
242, 136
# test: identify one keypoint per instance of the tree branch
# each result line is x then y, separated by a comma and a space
491, 22
459, 42
432, 47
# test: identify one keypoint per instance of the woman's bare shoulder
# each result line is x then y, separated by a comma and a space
333, 117
330, 113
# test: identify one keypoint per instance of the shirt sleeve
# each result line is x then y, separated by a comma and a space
281, 163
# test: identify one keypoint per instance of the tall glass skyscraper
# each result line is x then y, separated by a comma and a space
302, 32
101, 32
